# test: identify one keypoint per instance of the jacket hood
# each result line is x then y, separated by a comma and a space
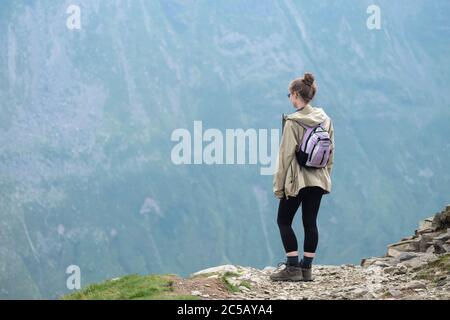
309, 116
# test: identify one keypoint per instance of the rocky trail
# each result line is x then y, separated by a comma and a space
417, 267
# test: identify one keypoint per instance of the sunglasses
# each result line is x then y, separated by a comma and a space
289, 95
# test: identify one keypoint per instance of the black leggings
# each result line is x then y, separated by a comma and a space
310, 198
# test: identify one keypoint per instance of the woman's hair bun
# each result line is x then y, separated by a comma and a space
308, 79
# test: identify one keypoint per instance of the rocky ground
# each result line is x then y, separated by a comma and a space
418, 267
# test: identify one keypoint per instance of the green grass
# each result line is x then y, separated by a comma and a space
246, 284
224, 278
231, 287
132, 287
435, 270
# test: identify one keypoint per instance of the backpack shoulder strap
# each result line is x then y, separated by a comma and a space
327, 124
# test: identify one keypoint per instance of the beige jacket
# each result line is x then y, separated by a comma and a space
289, 176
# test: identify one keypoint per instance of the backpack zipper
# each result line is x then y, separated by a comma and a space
314, 132
323, 156
312, 151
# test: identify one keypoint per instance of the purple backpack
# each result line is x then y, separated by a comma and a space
316, 147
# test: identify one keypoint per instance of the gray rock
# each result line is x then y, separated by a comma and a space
218, 269
401, 270
381, 263
425, 226
396, 270
394, 292
426, 241
415, 285
439, 247
269, 268
348, 265
443, 236
442, 282
394, 250
430, 250
367, 262
441, 220
404, 256
360, 292
389, 270
422, 259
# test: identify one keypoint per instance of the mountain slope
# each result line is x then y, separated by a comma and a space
86, 118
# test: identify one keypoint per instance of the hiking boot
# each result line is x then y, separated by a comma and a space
307, 274
289, 273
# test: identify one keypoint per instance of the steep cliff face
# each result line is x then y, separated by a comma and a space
87, 115
418, 271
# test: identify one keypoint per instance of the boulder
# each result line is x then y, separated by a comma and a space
394, 250
441, 220
420, 260
443, 236
404, 256
218, 269
425, 226
394, 292
415, 285
426, 241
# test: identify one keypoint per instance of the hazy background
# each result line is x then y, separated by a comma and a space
86, 118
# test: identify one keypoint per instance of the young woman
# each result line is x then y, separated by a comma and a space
294, 184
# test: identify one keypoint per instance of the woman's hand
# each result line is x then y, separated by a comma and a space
279, 194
